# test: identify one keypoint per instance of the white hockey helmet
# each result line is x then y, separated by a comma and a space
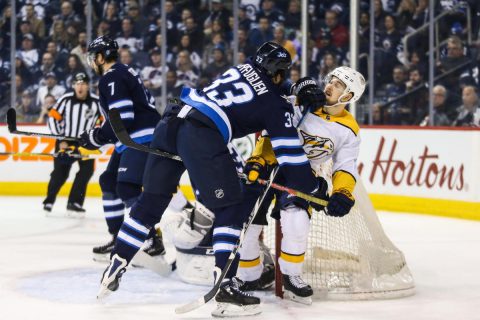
353, 80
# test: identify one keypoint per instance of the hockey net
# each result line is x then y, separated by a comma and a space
349, 258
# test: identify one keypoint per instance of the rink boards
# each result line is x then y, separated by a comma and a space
411, 169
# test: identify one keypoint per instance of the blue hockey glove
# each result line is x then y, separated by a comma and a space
321, 193
64, 155
89, 141
309, 95
339, 205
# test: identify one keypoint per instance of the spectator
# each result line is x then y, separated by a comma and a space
59, 57
158, 45
140, 24
24, 72
208, 52
338, 32
37, 25
48, 65
219, 65
174, 87
187, 75
48, 103
196, 34
58, 34
103, 28
68, 15
328, 64
274, 15
50, 87
244, 22
405, 12
294, 74
125, 56
293, 17
186, 44
81, 49
440, 115
26, 29
379, 14
127, 38
26, 109
389, 42
280, 38
455, 59
243, 44
152, 73
469, 111
72, 66
218, 12
416, 106
28, 53
261, 34
111, 16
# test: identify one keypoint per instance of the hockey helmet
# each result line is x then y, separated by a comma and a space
353, 80
104, 45
272, 59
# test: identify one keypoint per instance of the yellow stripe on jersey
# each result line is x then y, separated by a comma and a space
343, 182
249, 263
293, 258
264, 149
345, 119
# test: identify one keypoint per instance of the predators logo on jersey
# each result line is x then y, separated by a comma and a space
316, 147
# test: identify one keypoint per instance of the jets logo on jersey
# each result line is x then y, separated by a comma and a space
281, 55
316, 147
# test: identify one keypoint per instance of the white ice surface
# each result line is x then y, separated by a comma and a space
47, 273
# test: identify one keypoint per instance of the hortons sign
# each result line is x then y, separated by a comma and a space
421, 167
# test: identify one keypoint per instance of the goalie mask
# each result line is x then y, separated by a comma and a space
353, 80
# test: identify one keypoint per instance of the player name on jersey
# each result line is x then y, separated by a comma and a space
253, 78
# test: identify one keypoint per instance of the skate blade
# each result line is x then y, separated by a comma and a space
226, 310
75, 214
103, 292
293, 297
103, 258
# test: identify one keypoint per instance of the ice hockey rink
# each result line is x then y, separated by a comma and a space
47, 272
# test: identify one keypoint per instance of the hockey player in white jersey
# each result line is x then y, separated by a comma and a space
327, 131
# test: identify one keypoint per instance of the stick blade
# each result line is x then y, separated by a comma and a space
190, 306
12, 120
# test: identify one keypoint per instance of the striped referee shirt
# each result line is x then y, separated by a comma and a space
70, 117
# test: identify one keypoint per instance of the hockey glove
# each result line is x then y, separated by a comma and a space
254, 168
339, 205
64, 155
88, 140
309, 95
321, 193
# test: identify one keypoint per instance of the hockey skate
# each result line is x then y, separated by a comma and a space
265, 282
233, 302
297, 290
155, 246
102, 253
112, 276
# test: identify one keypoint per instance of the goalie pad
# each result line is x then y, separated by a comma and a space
195, 225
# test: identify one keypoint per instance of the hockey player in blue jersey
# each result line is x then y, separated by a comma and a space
120, 87
245, 99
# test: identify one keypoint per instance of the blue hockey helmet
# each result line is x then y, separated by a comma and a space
272, 59
104, 45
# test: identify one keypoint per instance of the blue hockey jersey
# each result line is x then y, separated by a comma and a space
244, 101
121, 88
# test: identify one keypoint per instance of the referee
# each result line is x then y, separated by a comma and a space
74, 113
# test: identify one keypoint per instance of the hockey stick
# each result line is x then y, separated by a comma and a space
158, 265
125, 139
12, 128
54, 155
288, 190
218, 282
